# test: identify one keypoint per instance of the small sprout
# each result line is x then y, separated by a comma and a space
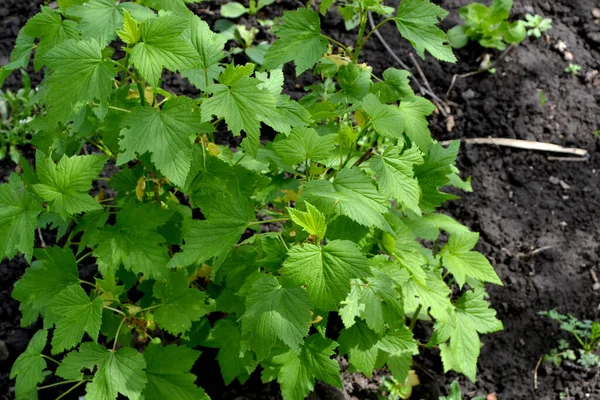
543, 100
536, 25
573, 69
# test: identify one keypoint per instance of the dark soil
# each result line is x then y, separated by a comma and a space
521, 202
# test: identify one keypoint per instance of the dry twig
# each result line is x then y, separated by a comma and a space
524, 144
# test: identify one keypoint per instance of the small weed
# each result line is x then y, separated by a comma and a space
536, 25
573, 69
587, 335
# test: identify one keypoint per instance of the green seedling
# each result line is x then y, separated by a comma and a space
488, 26
233, 9
573, 69
587, 335
456, 394
17, 111
536, 25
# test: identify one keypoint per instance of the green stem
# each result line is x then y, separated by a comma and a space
116, 310
149, 308
339, 44
379, 25
49, 358
117, 334
87, 283
361, 32
413, 320
119, 109
71, 389
83, 257
579, 340
57, 384
268, 221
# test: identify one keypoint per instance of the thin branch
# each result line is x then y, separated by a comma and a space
57, 384
71, 389
441, 105
42, 242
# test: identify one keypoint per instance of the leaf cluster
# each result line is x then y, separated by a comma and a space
587, 335
250, 250
489, 26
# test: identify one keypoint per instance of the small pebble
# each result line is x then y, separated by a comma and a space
554, 180
530, 9
596, 12
563, 223
468, 94
568, 56
564, 185
596, 286
560, 46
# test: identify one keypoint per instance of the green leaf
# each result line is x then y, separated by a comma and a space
241, 103
134, 241
394, 86
275, 312
99, 19
326, 271
434, 174
78, 315
457, 37
228, 214
117, 372
29, 367
49, 26
455, 393
163, 45
311, 220
471, 305
351, 193
377, 301
130, 34
413, 112
79, 73
233, 9
355, 82
235, 361
209, 46
416, 20
428, 226
397, 342
300, 40
386, 120
360, 344
472, 316
463, 263
181, 305
305, 144
433, 295
167, 371
298, 372
394, 173
165, 133
54, 270
66, 185
19, 56
18, 219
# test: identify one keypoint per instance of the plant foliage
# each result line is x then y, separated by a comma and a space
327, 207
489, 26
